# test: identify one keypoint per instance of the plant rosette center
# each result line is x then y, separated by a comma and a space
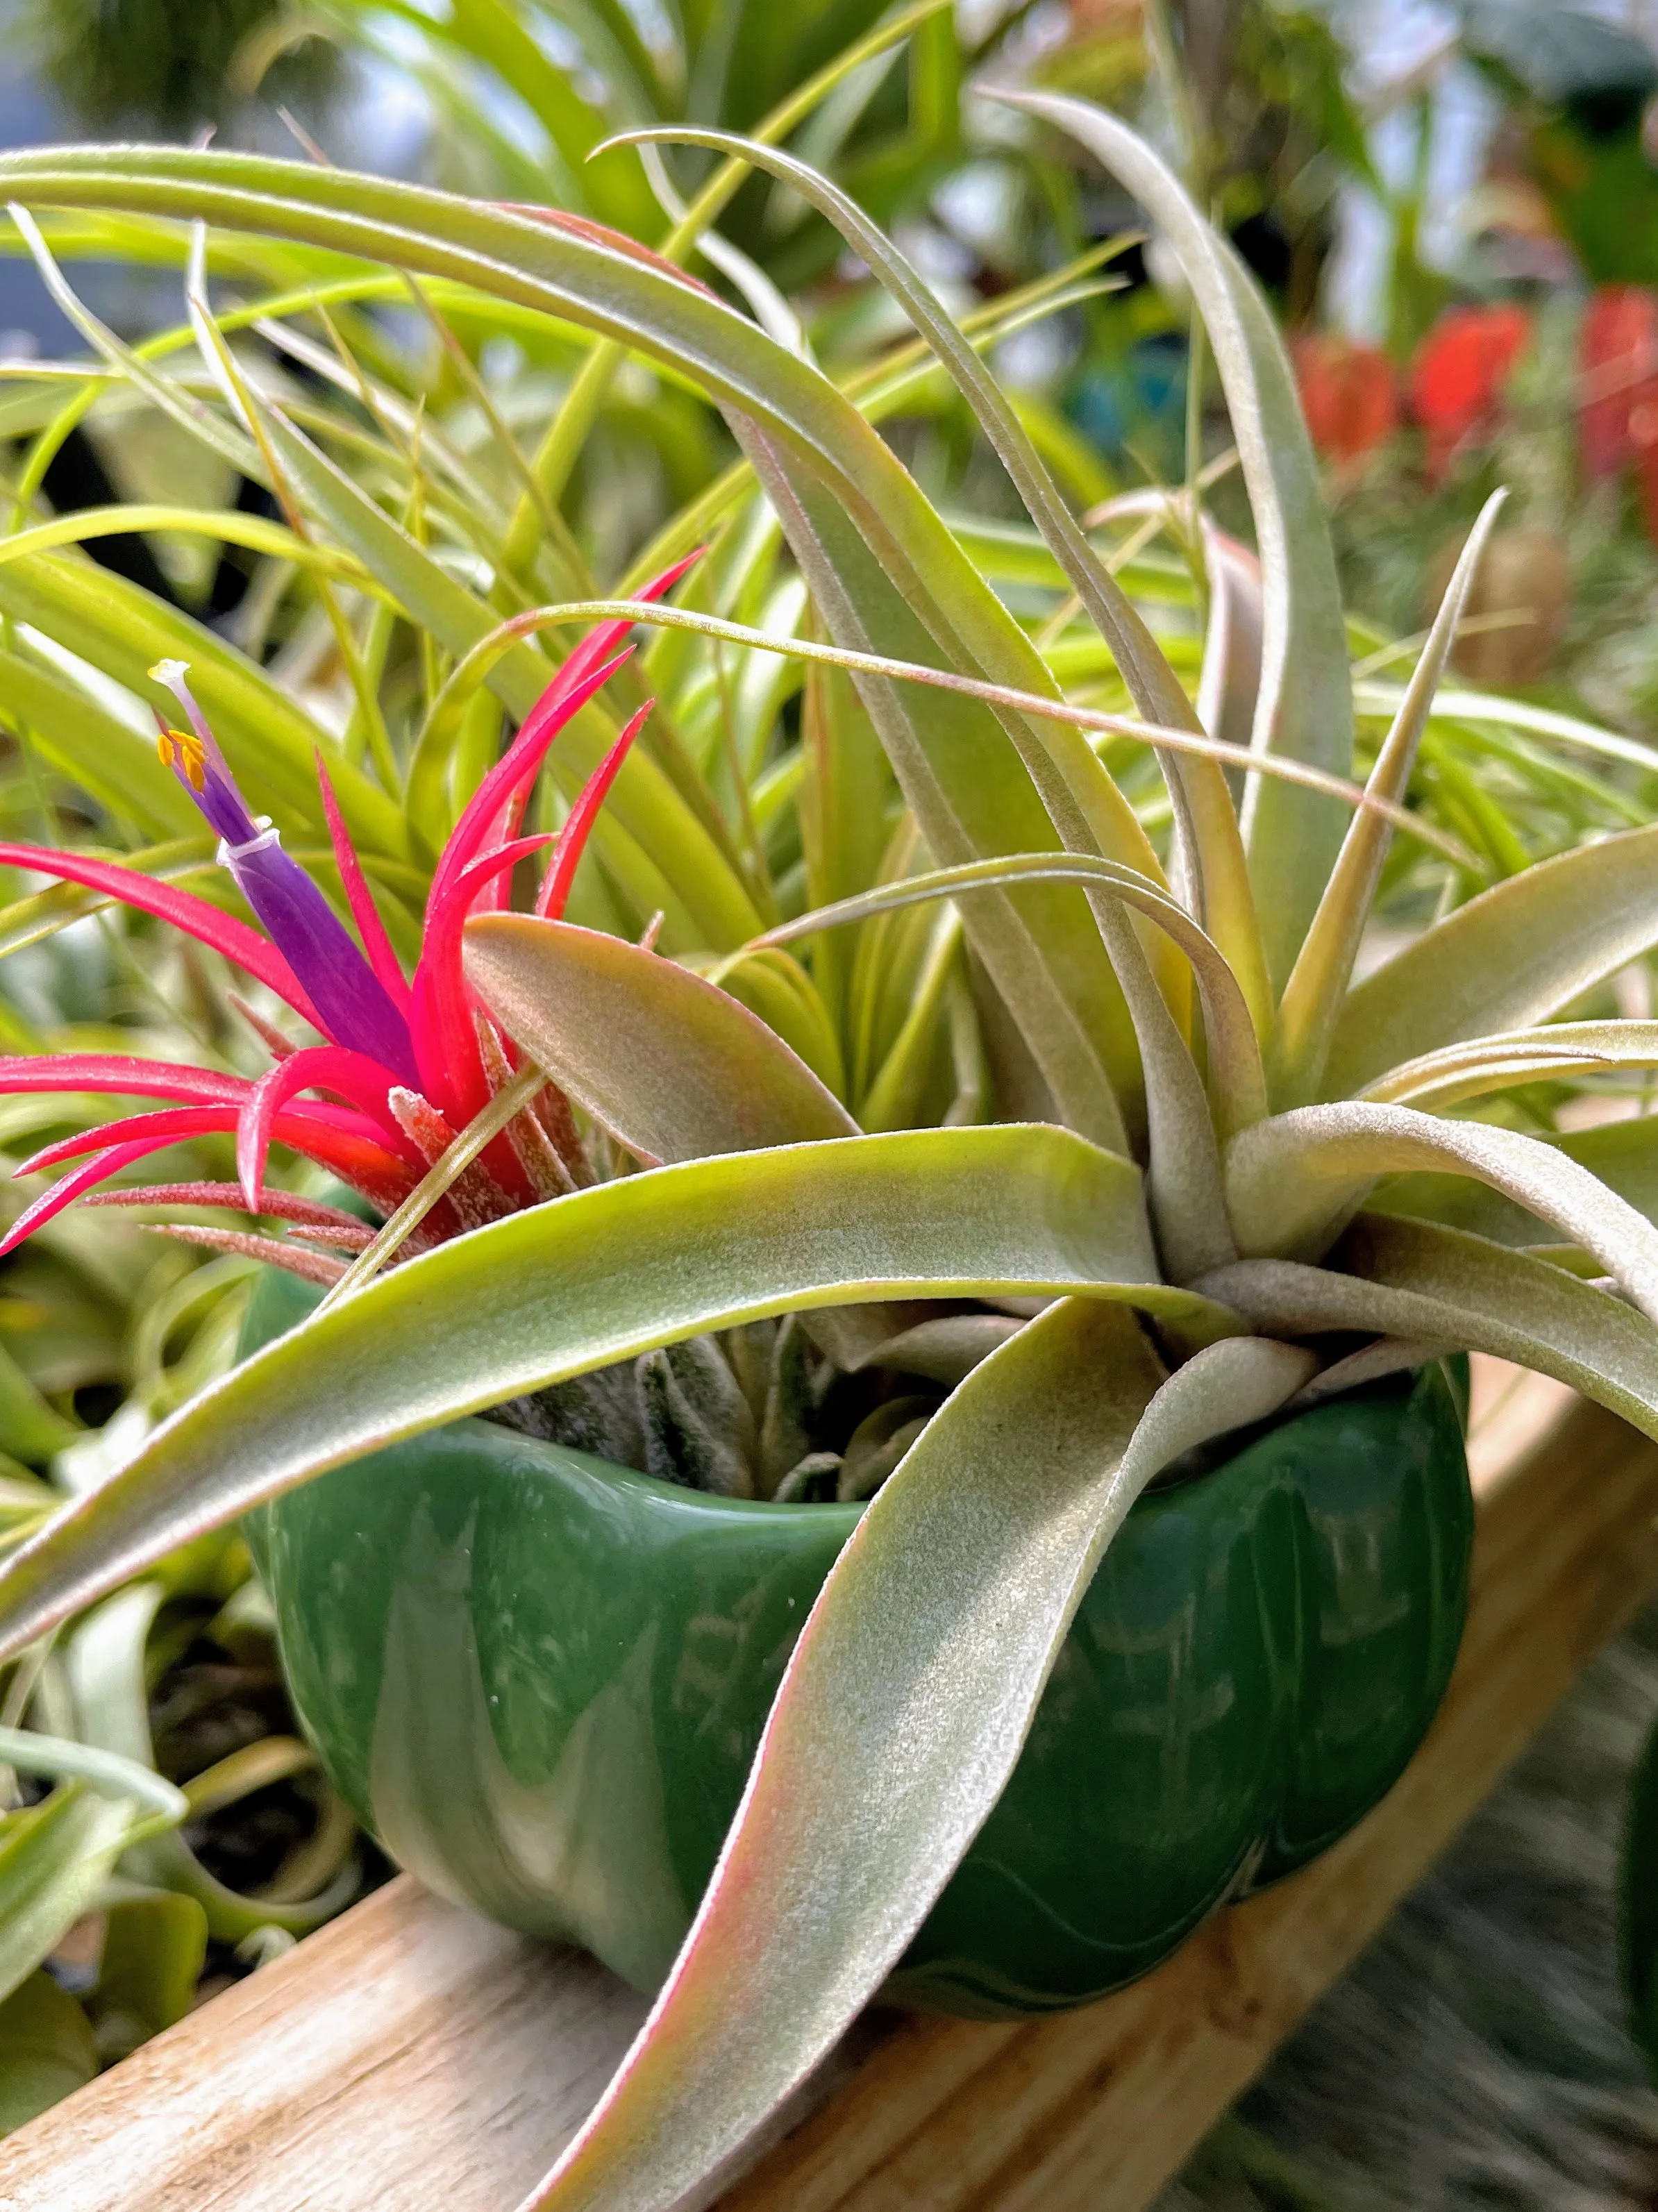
540, 1679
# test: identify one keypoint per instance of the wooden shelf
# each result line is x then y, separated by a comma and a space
412, 2056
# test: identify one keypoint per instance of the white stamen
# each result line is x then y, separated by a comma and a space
173, 673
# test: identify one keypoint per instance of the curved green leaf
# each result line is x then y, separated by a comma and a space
132, 1782
1228, 681
106, 1670
1324, 967
1553, 1051
54, 1858
226, 526
970, 796
46, 2049
1293, 1180
1478, 708
1510, 957
904, 1707
599, 1277
1203, 805
154, 1947
1415, 1279
1622, 1155
674, 1068
1304, 706
1234, 1059
642, 801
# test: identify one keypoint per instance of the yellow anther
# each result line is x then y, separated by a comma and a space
184, 749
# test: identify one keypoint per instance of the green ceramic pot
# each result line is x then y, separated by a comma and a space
539, 1680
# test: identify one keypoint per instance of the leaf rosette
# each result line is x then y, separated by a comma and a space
1103, 1151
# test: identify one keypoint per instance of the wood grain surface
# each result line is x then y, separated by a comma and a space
413, 2059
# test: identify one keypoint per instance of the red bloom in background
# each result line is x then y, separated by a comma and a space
1643, 444
1618, 389
1618, 362
1457, 378
1349, 393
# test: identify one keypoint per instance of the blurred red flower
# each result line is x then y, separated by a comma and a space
1461, 371
1643, 444
1618, 363
1348, 393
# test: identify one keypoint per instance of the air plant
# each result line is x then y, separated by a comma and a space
1228, 1174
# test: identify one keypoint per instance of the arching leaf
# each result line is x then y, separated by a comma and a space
1510, 957
1291, 1180
599, 1277
1304, 706
674, 1067
903, 1710
1414, 1278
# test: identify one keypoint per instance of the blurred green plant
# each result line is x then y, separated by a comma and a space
165, 65
1582, 91
526, 94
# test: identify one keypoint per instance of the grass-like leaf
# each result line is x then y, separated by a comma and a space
885, 569
1312, 997
1235, 1059
1304, 705
1555, 1050
54, 1858
1208, 824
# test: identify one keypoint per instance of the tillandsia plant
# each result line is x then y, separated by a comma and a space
1128, 1162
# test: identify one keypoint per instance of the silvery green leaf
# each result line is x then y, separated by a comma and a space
1511, 957
1292, 1181
903, 1709
1304, 706
1393, 1276
599, 1277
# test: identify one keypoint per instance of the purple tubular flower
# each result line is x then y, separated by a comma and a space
354, 1006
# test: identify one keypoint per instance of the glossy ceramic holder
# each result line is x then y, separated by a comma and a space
539, 1680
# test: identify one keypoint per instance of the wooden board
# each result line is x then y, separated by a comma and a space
412, 2058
